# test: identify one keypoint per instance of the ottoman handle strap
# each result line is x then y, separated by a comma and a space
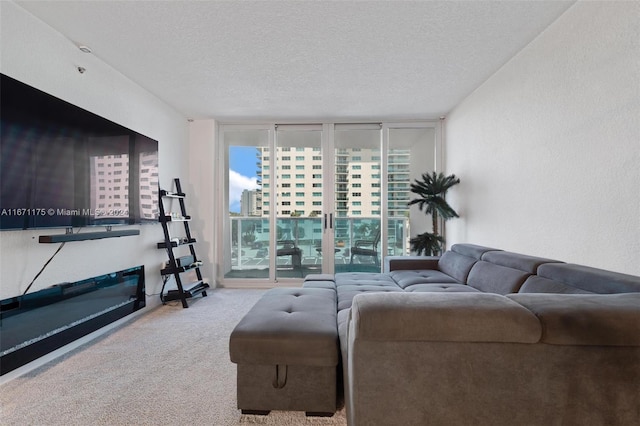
280, 378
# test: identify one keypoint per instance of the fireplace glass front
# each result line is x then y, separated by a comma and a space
37, 323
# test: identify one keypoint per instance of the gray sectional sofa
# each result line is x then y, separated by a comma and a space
485, 336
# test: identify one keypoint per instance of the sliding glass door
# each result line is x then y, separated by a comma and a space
358, 197
410, 152
298, 200
274, 196
319, 198
246, 230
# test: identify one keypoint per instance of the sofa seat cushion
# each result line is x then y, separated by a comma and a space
586, 319
590, 279
320, 277
498, 279
407, 278
319, 281
346, 293
441, 287
319, 284
364, 278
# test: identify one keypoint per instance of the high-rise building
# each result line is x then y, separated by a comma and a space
110, 191
249, 203
110, 185
149, 185
357, 189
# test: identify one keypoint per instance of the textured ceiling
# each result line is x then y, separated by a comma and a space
303, 60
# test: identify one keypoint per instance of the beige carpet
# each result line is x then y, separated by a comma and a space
168, 367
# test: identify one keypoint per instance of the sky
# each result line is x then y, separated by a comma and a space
242, 173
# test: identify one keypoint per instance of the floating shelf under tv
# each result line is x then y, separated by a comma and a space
61, 238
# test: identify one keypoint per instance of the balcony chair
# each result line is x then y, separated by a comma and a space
289, 248
361, 248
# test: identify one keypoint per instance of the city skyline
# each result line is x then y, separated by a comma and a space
357, 187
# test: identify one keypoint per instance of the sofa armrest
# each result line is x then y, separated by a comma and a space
441, 317
396, 263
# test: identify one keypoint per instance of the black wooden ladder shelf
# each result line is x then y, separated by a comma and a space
177, 265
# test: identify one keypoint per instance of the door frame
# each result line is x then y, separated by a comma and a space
328, 128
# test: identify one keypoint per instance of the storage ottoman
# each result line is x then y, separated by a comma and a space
286, 351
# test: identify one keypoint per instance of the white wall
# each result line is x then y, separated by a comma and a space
548, 149
202, 192
34, 53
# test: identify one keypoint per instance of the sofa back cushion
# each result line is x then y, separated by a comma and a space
590, 279
537, 284
456, 265
441, 317
586, 319
519, 261
498, 279
471, 250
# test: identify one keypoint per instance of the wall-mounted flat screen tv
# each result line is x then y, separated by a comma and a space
63, 166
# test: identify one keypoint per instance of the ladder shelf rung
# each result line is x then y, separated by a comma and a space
190, 290
168, 218
169, 194
183, 241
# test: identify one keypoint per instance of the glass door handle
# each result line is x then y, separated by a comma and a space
330, 221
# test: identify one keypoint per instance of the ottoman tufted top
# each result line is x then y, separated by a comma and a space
292, 326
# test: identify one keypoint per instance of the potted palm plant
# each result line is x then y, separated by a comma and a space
431, 191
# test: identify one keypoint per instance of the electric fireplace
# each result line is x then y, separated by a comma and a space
37, 323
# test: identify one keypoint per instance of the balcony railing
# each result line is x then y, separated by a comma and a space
250, 247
